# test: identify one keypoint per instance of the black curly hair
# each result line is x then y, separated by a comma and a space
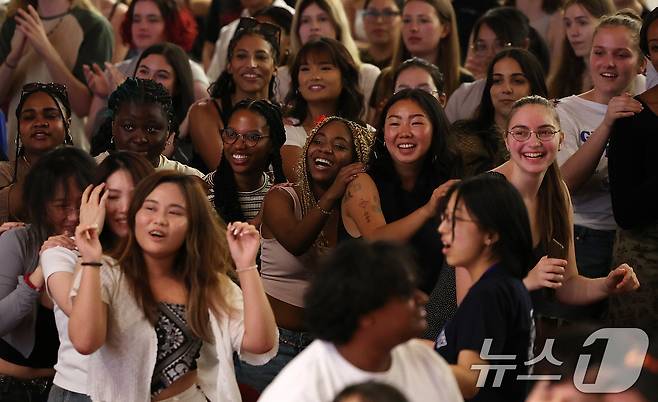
138, 91
226, 200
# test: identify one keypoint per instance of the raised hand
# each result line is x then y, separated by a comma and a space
621, 106
18, 42
345, 175
621, 280
30, 24
243, 243
438, 193
97, 80
548, 273
92, 206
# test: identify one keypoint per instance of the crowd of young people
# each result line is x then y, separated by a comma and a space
349, 211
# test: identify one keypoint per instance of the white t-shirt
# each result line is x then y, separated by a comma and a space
163, 164
591, 203
295, 135
71, 367
320, 372
463, 103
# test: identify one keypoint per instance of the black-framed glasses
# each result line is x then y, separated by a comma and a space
522, 134
449, 219
251, 139
386, 14
265, 28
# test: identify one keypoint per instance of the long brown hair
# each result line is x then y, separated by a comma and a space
447, 53
567, 80
552, 208
202, 261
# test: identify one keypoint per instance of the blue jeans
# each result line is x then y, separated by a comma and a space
58, 394
593, 251
291, 343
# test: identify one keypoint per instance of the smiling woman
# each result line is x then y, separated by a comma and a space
43, 114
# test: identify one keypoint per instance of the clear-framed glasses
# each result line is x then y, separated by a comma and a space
482, 48
522, 134
373, 14
230, 136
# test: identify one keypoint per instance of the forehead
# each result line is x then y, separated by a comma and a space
313, 9
66, 189
335, 129
39, 100
156, 60
486, 33
167, 193
252, 41
507, 66
150, 110
415, 75
247, 118
120, 178
577, 10
419, 7
146, 7
405, 107
318, 56
613, 37
533, 116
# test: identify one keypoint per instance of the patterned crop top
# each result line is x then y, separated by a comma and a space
178, 347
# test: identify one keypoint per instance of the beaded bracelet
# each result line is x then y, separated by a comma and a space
91, 264
250, 268
324, 211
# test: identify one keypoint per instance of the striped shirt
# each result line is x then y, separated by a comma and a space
250, 201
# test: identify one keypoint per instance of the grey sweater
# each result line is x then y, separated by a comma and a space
19, 256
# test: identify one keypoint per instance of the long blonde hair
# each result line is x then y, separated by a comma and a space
202, 262
335, 10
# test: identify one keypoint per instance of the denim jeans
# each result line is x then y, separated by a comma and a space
291, 343
58, 394
17, 390
593, 251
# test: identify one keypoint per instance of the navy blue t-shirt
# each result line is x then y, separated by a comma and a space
497, 307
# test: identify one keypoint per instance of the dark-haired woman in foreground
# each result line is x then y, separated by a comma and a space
496, 250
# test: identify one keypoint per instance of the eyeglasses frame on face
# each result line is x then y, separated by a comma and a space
449, 219
248, 143
386, 14
433, 92
265, 28
487, 49
529, 133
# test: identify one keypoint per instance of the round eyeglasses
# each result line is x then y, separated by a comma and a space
522, 134
251, 139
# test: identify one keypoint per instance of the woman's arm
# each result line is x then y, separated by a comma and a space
361, 203
14, 55
88, 318
17, 298
204, 125
59, 261
583, 162
298, 236
290, 155
259, 326
467, 377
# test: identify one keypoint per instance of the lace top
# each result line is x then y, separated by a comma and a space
178, 347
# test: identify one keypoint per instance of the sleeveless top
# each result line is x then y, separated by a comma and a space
284, 275
178, 347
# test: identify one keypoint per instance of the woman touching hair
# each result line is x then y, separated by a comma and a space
171, 278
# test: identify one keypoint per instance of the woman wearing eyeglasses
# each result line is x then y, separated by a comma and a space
417, 73
382, 22
513, 74
253, 54
252, 140
44, 117
533, 138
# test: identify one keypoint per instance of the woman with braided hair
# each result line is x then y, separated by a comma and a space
141, 122
300, 223
252, 141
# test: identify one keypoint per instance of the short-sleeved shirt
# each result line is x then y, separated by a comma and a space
80, 37
497, 307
